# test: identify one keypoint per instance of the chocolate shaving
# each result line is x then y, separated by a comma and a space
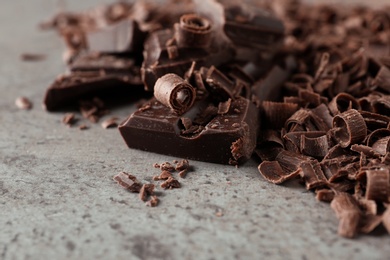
325, 195
312, 174
273, 172
378, 185
349, 128
223, 107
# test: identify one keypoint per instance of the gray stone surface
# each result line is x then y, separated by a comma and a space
58, 200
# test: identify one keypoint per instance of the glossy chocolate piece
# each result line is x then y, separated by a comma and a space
91, 75
227, 139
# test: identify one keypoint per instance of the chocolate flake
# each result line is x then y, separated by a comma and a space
32, 57
69, 119
110, 123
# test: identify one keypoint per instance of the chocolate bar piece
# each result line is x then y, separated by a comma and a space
93, 74
227, 139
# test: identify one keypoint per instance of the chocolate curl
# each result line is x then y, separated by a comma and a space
342, 102
378, 185
349, 128
174, 92
193, 31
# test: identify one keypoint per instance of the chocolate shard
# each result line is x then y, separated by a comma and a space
182, 165
316, 147
23, 103
253, 27
153, 202
164, 175
348, 212
233, 133
128, 182
167, 166
224, 107
220, 86
290, 161
119, 37
175, 93
366, 150
349, 128
273, 172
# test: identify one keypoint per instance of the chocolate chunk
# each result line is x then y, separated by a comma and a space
23, 103
164, 175
166, 166
93, 75
175, 93
382, 79
224, 107
83, 127
183, 173
145, 191
182, 165
160, 126
170, 183
93, 109
128, 182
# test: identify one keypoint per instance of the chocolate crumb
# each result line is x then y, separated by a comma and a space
153, 202
32, 57
69, 119
166, 166
183, 173
183, 165
164, 175
83, 127
23, 103
170, 183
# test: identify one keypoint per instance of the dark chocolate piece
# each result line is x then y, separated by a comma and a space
175, 93
166, 166
234, 134
145, 191
349, 128
69, 119
182, 165
93, 75
378, 185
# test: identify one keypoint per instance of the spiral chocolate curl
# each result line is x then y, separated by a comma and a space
349, 128
193, 31
174, 92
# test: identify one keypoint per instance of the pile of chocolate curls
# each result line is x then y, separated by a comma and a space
303, 88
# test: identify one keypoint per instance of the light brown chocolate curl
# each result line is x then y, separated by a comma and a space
175, 93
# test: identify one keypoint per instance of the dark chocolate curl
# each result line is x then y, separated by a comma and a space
342, 102
175, 93
273, 172
348, 212
193, 31
349, 128
378, 185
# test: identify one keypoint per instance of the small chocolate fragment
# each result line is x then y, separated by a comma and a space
382, 79
128, 182
170, 183
110, 123
312, 174
175, 93
164, 175
386, 219
153, 202
349, 127
325, 195
83, 127
69, 119
348, 212
182, 165
183, 173
223, 107
145, 191
166, 166
32, 57
23, 103
273, 172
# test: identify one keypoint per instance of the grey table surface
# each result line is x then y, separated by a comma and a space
58, 200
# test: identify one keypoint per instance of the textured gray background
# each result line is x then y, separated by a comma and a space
58, 200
